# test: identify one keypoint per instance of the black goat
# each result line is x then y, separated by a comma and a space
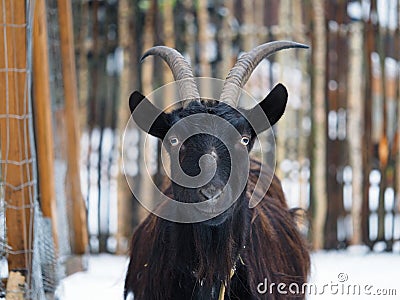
229, 255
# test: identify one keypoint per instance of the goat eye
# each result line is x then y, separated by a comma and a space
174, 141
245, 140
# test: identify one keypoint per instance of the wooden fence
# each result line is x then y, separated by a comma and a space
36, 247
337, 146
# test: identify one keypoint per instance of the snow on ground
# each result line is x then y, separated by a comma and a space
352, 274
104, 280
355, 275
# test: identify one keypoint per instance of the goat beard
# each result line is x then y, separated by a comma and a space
213, 250
210, 252
217, 248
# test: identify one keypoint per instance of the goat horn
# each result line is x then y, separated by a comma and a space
246, 64
181, 70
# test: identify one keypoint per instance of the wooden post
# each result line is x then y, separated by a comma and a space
383, 146
202, 20
283, 59
72, 122
333, 188
397, 174
226, 37
318, 163
189, 34
128, 79
368, 151
355, 125
14, 291
44, 129
147, 87
397, 140
16, 159
169, 41
83, 73
247, 27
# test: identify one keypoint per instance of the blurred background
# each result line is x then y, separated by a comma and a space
67, 69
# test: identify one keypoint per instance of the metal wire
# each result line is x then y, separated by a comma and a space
38, 250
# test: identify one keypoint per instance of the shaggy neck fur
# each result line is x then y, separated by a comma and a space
205, 253
186, 261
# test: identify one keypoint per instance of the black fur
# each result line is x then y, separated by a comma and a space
190, 261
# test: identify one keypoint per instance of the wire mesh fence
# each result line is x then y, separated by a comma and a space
18, 171
30, 264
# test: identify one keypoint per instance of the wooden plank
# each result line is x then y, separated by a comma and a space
334, 188
226, 37
318, 163
368, 151
44, 128
397, 137
126, 204
16, 166
202, 20
75, 264
145, 185
71, 101
355, 123
397, 140
15, 286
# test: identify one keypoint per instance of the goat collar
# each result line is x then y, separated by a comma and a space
222, 289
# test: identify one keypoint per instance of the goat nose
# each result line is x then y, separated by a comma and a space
210, 192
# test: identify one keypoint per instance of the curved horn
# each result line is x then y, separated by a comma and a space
246, 64
181, 70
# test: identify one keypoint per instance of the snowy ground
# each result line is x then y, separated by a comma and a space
335, 275
370, 274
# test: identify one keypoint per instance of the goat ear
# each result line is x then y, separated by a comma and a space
273, 106
147, 116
